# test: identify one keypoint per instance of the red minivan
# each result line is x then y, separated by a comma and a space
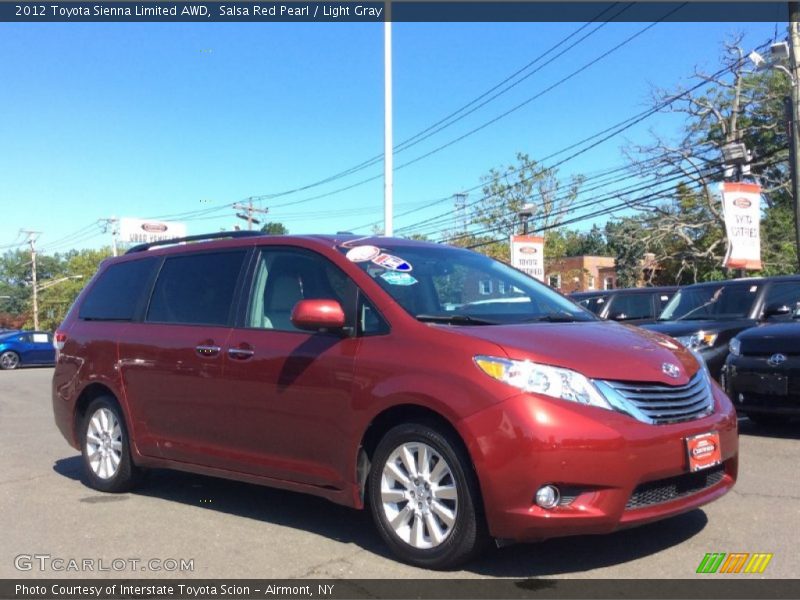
454, 396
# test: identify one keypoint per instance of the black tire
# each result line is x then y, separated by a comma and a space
467, 537
9, 360
767, 420
126, 475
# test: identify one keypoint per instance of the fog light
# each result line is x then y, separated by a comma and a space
547, 496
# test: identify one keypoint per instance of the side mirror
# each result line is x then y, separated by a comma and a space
617, 316
776, 310
316, 315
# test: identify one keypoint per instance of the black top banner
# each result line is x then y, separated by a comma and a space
398, 10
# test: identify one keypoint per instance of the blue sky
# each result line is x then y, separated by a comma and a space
147, 120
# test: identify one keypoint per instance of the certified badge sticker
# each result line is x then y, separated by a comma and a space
362, 253
392, 263
704, 451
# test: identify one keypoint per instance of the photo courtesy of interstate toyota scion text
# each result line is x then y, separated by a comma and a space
455, 398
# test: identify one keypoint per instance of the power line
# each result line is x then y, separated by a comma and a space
450, 118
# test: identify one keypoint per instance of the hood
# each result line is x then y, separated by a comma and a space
597, 349
771, 339
679, 328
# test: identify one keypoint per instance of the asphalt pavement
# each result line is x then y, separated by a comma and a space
234, 530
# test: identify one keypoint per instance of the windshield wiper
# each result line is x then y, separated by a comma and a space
454, 320
552, 318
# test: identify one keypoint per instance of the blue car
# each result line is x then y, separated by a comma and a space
22, 348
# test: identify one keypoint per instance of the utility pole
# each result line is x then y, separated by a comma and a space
32, 237
460, 205
111, 224
794, 54
388, 144
248, 210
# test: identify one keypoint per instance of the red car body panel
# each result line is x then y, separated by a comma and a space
290, 409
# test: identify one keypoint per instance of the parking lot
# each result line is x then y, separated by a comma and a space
236, 530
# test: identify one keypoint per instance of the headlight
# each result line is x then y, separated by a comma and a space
699, 340
543, 379
735, 347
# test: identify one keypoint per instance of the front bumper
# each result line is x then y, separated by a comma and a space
599, 457
755, 386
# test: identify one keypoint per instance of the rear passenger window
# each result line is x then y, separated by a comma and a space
118, 291
196, 289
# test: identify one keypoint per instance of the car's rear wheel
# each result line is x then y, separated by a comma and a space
424, 497
106, 450
9, 360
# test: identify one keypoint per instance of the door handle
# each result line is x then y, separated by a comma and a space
204, 350
240, 353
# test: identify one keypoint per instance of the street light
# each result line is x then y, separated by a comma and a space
782, 52
525, 213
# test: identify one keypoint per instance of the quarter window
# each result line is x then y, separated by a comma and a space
196, 289
118, 291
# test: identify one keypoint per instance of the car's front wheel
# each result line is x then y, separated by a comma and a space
106, 451
424, 497
9, 360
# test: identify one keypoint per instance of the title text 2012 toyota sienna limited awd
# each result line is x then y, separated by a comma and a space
455, 397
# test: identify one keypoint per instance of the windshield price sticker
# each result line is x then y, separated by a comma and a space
704, 451
362, 253
391, 263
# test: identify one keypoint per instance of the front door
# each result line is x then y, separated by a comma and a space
290, 391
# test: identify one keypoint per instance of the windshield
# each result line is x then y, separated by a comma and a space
460, 287
711, 302
592, 303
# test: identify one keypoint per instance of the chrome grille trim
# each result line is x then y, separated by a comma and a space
659, 404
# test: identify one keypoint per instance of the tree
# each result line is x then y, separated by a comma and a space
626, 242
275, 228
682, 222
54, 301
505, 191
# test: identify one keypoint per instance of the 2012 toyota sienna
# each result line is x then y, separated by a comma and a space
453, 396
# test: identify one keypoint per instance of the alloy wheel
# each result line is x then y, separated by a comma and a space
419, 495
104, 443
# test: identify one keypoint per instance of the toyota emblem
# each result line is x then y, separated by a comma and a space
776, 359
671, 370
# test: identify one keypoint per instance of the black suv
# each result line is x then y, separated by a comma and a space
631, 305
705, 316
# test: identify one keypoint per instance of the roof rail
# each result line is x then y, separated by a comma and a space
195, 238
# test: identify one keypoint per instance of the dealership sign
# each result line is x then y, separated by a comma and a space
527, 254
139, 231
741, 206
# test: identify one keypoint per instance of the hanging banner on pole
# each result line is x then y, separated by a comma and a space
139, 231
527, 255
741, 207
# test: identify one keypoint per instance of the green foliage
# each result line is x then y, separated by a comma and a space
74, 269
275, 228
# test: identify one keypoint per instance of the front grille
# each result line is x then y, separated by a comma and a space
664, 490
658, 404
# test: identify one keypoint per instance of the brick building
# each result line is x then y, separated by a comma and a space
581, 273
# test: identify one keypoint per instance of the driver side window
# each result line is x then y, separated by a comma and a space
285, 276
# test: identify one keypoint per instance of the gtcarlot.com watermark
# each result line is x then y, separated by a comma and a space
59, 564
